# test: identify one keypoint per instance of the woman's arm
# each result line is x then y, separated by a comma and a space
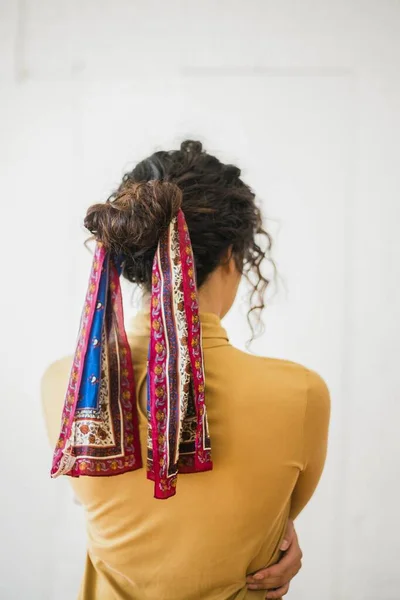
276, 578
316, 423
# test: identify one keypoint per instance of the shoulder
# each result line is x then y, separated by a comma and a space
292, 382
53, 386
55, 378
286, 371
318, 396
56, 369
317, 386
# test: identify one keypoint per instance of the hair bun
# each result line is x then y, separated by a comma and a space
191, 147
135, 216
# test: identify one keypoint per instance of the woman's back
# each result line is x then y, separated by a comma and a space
268, 423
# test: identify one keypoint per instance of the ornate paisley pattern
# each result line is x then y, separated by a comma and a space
178, 433
99, 429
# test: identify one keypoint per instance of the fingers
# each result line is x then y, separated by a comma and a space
272, 591
288, 537
289, 562
284, 545
271, 584
278, 593
260, 575
277, 575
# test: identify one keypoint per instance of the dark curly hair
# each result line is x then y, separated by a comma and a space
219, 208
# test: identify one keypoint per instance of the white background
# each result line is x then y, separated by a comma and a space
304, 97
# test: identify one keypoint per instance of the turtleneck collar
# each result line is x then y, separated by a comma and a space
213, 333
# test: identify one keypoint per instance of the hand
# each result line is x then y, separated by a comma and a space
276, 578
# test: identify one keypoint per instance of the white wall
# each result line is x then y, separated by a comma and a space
304, 96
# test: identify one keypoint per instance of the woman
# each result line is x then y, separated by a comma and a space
251, 431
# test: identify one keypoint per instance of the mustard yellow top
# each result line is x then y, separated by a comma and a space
268, 422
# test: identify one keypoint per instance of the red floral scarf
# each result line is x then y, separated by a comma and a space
99, 430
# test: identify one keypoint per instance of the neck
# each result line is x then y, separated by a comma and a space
210, 301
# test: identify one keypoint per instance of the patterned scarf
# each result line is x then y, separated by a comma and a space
99, 430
